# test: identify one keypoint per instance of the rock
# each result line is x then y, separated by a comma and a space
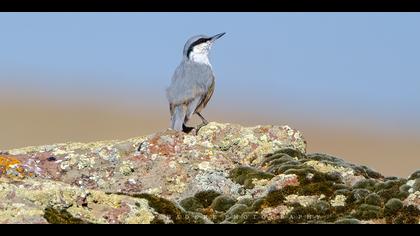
366, 212
237, 210
414, 175
206, 197
413, 200
393, 206
222, 203
359, 194
224, 174
246, 201
373, 199
350, 221
34, 201
191, 204
246, 175
276, 213
339, 201
416, 186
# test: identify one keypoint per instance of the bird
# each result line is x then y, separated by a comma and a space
192, 84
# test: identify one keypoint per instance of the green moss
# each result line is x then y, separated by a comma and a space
222, 203
218, 217
406, 215
277, 159
393, 192
62, 216
322, 207
237, 210
391, 178
245, 175
369, 173
157, 221
166, 207
344, 192
291, 152
324, 157
358, 196
393, 206
248, 218
274, 198
246, 201
332, 178
319, 183
282, 160
373, 199
390, 184
318, 188
206, 197
368, 184
342, 186
366, 212
191, 204
280, 169
301, 214
197, 218
258, 203
319, 212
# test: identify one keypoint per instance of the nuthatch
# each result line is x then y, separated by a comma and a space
192, 84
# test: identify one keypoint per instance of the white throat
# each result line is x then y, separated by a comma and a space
200, 54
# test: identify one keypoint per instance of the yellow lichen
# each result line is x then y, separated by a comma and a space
65, 148
63, 196
177, 185
143, 213
10, 163
339, 200
327, 168
303, 200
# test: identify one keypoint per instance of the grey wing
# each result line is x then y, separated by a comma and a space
199, 103
206, 97
190, 80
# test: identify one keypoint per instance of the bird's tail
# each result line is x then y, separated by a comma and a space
178, 117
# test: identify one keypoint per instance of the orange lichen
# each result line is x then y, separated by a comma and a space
10, 163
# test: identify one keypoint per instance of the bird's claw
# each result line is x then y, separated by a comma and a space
187, 129
199, 127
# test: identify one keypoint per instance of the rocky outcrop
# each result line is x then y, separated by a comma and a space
224, 174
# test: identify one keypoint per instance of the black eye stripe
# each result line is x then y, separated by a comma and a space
199, 41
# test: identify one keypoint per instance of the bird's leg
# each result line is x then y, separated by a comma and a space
186, 129
204, 123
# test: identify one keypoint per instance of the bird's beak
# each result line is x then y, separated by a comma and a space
214, 38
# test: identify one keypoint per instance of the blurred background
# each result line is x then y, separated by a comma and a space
349, 81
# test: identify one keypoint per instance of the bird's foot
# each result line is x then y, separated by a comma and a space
187, 129
199, 127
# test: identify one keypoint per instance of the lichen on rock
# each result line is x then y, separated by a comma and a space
226, 174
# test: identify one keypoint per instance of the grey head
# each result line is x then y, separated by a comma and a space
200, 44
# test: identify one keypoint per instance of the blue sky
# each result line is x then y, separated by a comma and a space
357, 65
